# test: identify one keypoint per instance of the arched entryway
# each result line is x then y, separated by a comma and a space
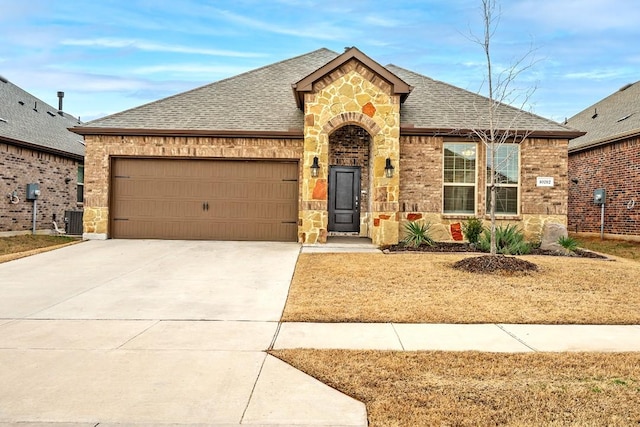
349, 177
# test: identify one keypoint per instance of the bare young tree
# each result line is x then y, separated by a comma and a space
499, 122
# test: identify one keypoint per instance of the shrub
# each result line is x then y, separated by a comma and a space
509, 241
569, 243
417, 234
472, 229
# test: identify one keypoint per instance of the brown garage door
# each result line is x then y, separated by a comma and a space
204, 199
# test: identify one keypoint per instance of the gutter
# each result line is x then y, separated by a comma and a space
43, 149
605, 141
290, 134
564, 134
294, 133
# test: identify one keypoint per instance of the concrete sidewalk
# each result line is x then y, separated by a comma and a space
457, 337
339, 244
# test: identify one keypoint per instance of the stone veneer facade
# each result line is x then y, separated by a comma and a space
352, 95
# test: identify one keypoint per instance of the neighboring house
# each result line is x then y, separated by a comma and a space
36, 147
316, 145
607, 157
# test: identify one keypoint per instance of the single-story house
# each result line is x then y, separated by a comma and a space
317, 145
607, 158
36, 147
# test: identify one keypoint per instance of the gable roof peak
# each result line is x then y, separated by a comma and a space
305, 85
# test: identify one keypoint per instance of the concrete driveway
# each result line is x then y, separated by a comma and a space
154, 332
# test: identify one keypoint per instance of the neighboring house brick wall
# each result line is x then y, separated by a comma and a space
616, 168
21, 166
421, 164
101, 148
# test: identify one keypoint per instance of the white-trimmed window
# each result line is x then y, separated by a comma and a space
507, 179
459, 192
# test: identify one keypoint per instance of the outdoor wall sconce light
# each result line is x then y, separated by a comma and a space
388, 169
67, 180
315, 167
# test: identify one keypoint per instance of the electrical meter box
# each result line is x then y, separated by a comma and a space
599, 196
33, 191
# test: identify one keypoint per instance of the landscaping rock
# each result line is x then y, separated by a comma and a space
550, 235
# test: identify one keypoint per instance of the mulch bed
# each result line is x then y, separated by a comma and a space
488, 263
466, 247
492, 264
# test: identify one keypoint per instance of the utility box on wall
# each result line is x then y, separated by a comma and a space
599, 196
33, 191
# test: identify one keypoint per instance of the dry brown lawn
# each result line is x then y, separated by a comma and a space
15, 247
472, 388
621, 248
423, 288
482, 389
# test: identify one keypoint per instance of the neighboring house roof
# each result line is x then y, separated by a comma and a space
28, 121
611, 119
262, 102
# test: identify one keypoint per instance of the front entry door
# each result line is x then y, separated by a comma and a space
344, 199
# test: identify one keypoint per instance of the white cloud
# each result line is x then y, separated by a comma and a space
298, 3
321, 31
198, 69
111, 43
602, 74
381, 21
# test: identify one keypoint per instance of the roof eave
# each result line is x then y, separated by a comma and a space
604, 141
43, 149
413, 131
289, 134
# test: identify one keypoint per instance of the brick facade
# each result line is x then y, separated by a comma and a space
421, 184
100, 150
616, 168
347, 113
419, 174
57, 177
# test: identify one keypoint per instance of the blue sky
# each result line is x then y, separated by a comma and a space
111, 55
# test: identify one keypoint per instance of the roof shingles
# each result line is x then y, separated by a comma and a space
262, 100
259, 100
30, 121
616, 116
